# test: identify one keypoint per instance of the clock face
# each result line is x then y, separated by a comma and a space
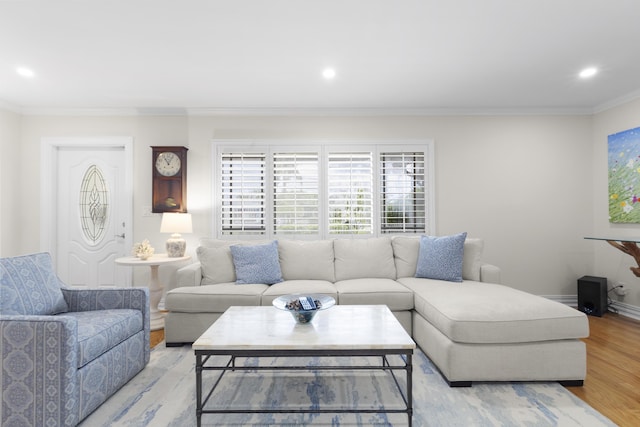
168, 163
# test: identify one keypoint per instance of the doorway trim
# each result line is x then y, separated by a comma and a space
48, 192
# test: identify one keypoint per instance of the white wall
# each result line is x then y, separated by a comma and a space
608, 261
9, 167
522, 183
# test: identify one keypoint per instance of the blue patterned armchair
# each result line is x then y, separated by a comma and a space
64, 351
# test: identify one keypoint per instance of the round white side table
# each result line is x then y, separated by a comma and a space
155, 287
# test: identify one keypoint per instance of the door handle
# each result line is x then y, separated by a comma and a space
119, 235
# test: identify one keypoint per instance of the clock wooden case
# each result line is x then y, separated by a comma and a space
169, 180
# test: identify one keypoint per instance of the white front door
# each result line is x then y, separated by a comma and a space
90, 201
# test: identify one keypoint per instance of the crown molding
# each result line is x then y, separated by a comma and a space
616, 102
342, 112
312, 112
10, 107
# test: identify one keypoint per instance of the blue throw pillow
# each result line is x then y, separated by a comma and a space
29, 286
257, 264
441, 257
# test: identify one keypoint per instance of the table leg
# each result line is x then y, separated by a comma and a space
199, 389
155, 291
409, 366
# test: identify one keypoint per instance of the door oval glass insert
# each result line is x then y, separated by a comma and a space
94, 205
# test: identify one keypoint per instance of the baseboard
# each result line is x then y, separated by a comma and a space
621, 308
627, 310
571, 300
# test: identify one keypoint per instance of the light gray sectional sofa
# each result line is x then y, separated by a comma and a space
473, 329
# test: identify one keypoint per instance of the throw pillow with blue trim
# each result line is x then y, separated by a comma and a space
257, 264
441, 257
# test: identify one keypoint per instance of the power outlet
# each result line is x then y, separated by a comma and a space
621, 290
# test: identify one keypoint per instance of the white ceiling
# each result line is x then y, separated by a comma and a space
427, 56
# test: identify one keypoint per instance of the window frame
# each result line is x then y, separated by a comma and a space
323, 148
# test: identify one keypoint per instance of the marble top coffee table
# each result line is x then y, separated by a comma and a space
342, 330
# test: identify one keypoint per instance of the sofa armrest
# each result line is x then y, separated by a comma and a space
39, 358
189, 275
112, 298
490, 273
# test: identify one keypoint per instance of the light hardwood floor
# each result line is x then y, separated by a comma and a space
613, 368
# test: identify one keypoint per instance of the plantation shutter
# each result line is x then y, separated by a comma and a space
350, 193
402, 179
243, 193
295, 193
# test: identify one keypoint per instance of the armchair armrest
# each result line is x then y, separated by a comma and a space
189, 275
490, 273
39, 357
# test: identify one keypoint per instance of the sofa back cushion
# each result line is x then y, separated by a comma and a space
405, 251
307, 260
217, 265
29, 286
358, 258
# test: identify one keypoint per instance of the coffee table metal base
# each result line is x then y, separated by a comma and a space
203, 356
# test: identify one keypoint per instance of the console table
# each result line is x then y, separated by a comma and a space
155, 287
627, 245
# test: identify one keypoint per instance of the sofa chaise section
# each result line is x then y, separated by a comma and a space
476, 331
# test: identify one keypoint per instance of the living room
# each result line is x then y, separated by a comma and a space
528, 175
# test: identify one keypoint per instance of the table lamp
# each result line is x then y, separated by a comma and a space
176, 223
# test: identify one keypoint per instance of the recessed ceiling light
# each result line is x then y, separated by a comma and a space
25, 72
588, 72
328, 73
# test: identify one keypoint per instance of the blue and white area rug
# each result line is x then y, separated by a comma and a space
163, 394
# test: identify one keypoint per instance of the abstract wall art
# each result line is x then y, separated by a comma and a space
624, 176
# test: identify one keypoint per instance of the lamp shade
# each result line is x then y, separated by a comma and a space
176, 223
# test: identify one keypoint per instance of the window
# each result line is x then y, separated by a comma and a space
242, 190
350, 191
333, 190
295, 193
403, 192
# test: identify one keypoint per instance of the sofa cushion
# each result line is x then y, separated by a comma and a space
357, 258
487, 313
213, 298
101, 330
257, 264
302, 259
299, 287
217, 265
441, 257
405, 251
374, 292
29, 286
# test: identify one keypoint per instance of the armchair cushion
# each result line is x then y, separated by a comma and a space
100, 331
30, 286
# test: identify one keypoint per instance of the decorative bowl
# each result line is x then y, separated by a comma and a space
289, 303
